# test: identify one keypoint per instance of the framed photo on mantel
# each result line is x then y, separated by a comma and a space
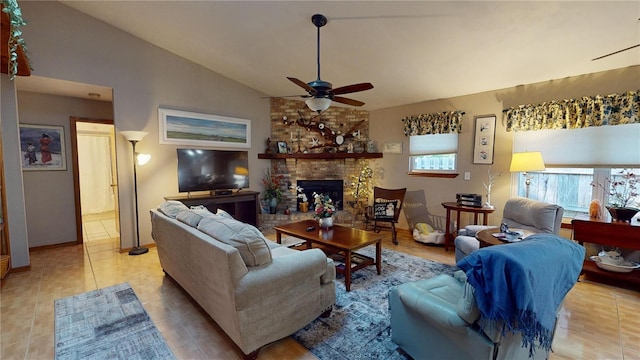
485, 135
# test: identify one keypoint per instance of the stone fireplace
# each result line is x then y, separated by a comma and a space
328, 169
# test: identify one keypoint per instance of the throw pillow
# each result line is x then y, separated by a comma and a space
384, 209
246, 238
223, 213
171, 208
189, 217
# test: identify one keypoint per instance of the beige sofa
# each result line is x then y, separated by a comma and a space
256, 290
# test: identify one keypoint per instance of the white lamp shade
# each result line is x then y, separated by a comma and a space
527, 161
318, 103
133, 135
143, 158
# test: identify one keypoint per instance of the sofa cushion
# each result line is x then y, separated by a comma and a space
223, 213
190, 217
245, 237
171, 208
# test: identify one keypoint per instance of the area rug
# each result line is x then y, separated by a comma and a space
359, 325
108, 323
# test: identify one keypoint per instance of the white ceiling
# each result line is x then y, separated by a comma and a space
411, 51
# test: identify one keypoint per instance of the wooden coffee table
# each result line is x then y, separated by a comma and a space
337, 239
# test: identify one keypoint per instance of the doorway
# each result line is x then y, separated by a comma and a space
95, 183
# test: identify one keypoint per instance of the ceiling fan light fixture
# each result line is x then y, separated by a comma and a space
318, 104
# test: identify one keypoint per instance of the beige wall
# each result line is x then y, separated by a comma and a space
50, 209
65, 44
386, 126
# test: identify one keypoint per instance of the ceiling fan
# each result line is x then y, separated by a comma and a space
320, 92
616, 52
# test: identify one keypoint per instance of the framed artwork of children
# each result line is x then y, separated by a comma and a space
42, 147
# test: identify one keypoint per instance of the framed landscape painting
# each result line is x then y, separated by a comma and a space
42, 147
190, 128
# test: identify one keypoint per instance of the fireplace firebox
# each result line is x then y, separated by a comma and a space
333, 188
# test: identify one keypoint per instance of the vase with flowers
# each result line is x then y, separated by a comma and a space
324, 210
624, 197
272, 190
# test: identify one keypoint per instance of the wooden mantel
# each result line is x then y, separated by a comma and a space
23, 64
324, 155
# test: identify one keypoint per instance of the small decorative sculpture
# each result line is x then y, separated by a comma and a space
595, 209
268, 149
488, 185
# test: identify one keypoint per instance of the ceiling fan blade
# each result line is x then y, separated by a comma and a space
347, 101
352, 88
303, 85
615, 52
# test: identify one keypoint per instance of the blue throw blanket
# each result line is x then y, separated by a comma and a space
521, 285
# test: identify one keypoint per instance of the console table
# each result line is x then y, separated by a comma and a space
242, 205
608, 233
448, 237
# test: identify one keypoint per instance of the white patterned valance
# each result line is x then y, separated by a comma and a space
585, 112
436, 123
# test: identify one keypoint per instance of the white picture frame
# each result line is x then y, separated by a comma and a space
190, 128
392, 147
484, 141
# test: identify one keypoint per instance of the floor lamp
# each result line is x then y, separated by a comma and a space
527, 161
138, 159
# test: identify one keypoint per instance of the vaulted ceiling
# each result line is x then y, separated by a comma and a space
411, 51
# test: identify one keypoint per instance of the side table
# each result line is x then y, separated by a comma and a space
448, 236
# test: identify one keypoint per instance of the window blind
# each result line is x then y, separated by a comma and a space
592, 146
433, 144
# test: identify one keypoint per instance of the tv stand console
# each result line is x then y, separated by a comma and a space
242, 205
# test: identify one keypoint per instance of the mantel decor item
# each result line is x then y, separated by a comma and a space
190, 128
42, 147
484, 139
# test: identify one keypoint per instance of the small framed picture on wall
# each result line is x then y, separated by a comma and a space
485, 135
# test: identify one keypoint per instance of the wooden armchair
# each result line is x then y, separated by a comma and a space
387, 204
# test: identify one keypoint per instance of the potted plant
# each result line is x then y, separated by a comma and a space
303, 201
272, 190
623, 195
324, 210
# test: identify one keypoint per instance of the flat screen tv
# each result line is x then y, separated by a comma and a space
212, 170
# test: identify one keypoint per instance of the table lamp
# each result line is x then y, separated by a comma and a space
527, 161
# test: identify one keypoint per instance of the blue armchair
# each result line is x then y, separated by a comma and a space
518, 213
463, 317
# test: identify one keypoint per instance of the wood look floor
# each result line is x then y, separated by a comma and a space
597, 321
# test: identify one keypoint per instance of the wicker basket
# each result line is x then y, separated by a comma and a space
4, 265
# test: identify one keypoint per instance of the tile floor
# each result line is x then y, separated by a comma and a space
597, 321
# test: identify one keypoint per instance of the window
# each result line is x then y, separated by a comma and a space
569, 187
574, 158
433, 153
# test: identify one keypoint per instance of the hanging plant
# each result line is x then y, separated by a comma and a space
11, 8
